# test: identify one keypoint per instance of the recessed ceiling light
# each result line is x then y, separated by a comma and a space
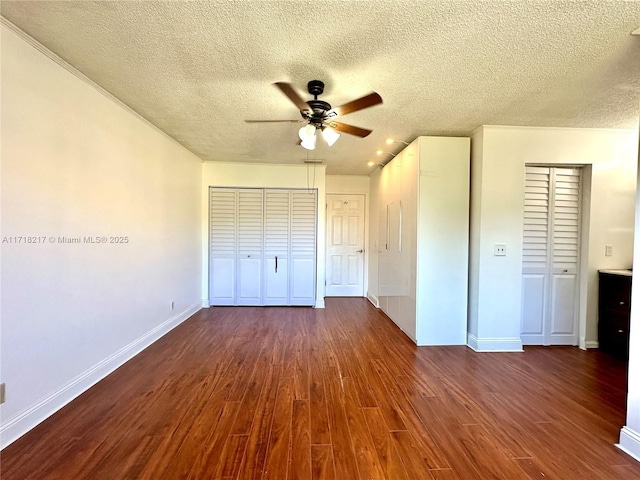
636, 31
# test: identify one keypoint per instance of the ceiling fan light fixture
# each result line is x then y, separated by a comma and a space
307, 132
308, 136
309, 143
330, 136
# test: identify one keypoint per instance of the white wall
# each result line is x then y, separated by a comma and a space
475, 221
224, 174
630, 433
497, 217
354, 185
76, 163
374, 233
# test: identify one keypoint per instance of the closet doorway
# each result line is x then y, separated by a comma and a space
551, 255
262, 246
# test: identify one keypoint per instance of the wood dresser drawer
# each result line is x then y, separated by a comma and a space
614, 308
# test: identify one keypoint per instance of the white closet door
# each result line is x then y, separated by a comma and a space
250, 247
302, 276
276, 247
222, 244
550, 256
565, 261
535, 255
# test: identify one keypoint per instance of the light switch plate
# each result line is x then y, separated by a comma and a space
500, 249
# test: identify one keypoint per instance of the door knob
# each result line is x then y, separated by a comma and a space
359, 251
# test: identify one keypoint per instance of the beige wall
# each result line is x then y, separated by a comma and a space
76, 163
497, 217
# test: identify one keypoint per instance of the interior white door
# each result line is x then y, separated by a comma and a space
250, 247
302, 273
222, 246
551, 256
345, 246
277, 225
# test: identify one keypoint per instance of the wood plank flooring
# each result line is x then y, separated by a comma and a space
333, 394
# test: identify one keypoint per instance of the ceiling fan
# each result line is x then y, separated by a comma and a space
319, 115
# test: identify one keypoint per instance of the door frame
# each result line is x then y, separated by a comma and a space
586, 302
365, 259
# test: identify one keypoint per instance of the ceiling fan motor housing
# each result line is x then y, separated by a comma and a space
319, 108
315, 87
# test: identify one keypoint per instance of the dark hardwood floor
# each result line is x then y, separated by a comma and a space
340, 394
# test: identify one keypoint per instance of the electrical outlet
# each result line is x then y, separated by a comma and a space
608, 250
2, 394
500, 250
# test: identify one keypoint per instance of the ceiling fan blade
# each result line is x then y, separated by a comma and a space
350, 129
297, 100
273, 121
359, 104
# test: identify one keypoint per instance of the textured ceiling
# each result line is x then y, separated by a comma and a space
198, 69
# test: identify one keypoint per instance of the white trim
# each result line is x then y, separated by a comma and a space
373, 299
319, 303
494, 344
630, 442
588, 344
74, 71
205, 303
17, 426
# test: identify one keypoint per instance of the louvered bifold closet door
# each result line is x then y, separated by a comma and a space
551, 255
250, 247
535, 254
566, 183
303, 247
222, 246
277, 205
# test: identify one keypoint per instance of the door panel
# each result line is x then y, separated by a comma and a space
222, 246
302, 282
222, 281
302, 286
277, 225
533, 308
345, 245
563, 308
249, 291
250, 246
276, 291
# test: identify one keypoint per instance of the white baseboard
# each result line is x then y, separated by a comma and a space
20, 424
319, 303
205, 303
585, 344
494, 344
373, 299
630, 442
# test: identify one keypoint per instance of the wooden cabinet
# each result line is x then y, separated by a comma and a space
614, 309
